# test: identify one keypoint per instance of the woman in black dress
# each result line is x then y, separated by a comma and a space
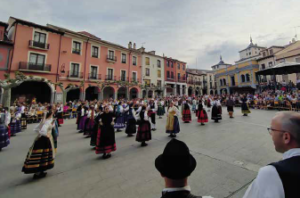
106, 142
131, 121
144, 129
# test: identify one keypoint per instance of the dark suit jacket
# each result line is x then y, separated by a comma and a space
179, 194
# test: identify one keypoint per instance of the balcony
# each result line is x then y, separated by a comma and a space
182, 79
93, 76
39, 45
76, 51
135, 80
34, 67
170, 79
111, 59
123, 79
76, 75
109, 77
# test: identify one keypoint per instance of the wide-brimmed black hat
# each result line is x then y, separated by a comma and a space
176, 162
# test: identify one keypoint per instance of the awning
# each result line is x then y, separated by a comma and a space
281, 69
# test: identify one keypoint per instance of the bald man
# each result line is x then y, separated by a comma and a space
281, 179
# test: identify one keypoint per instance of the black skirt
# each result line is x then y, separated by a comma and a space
230, 108
106, 141
131, 127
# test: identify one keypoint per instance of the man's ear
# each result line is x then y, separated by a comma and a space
287, 137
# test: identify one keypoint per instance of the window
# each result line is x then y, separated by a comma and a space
247, 78
249, 53
224, 82
147, 59
111, 55
39, 40
168, 64
76, 47
93, 72
134, 77
210, 84
168, 74
178, 66
110, 73
271, 51
264, 54
123, 75
178, 76
123, 58
172, 64
232, 81
183, 67
159, 73
210, 78
159, 83
270, 64
263, 66
158, 63
134, 60
95, 52
74, 70
243, 78
147, 72
37, 59
147, 82
172, 75
221, 82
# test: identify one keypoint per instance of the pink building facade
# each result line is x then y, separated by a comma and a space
99, 69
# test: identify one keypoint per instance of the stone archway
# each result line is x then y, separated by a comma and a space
73, 94
122, 93
28, 90
190, 91
91, 93
216, 92
211, 92
144, 93
133, 93
150, 94
108, 92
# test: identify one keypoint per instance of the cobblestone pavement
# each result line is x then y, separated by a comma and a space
228, 154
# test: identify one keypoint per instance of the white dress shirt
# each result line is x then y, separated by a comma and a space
268, 183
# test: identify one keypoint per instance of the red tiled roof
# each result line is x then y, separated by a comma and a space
89, 35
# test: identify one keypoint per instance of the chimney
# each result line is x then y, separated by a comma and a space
134, 46
130, 45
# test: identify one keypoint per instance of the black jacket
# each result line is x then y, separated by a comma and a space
179, 194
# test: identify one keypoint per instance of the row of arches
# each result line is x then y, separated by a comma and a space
44, 92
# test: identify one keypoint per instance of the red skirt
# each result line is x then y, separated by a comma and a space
60, 121
186, 117
202, 116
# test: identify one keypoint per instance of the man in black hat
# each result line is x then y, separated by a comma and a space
175, 166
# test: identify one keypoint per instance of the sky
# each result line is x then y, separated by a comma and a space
193, 31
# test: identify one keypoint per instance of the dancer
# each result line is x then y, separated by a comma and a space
152, 108
119, 122
4, 136
106, 142
144, 129
15, 124
230, 105
41, 155
59, 112
23, 117
201, 113
83, 119
79, 114
90, 121
245, 106
131, 121
194, 107
161, 108
186, 112
96, 126
172, 126
216, 113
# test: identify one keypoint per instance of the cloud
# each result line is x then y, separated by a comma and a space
194, 31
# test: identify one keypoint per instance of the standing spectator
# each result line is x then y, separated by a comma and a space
175, 165
281, 179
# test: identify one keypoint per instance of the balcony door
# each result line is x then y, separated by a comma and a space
111, 55
134, 76
36, 61
110, 73
123, 75
39, 40
94, 72
74, 70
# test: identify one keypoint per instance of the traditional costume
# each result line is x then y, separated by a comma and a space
95, 130
151, 113
79, 116
23, 118
201, 114
131, 121
186, 113
172, 126
194, 105
245, 106
144, 129
4, 136
106, 142
216, 113
59, 112
15, 124
83, 119
161, 109
230, 105
120, 121
41, 155
90, 122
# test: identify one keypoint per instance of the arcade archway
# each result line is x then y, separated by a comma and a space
73, 94
108, 92
91, 93
122, 93
133, 93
